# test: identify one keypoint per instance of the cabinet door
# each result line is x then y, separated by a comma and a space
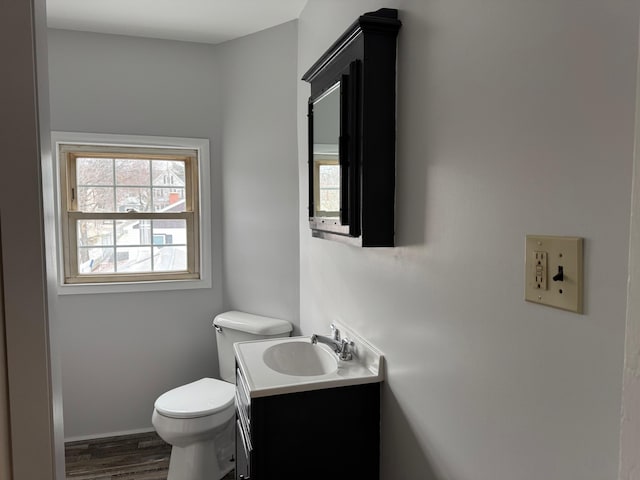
293, 434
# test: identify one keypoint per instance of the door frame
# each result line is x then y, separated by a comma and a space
25, 124
5, 432
630, 416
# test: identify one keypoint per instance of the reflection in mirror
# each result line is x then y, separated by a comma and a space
326, 153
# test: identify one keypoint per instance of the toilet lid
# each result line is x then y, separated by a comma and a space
197, 399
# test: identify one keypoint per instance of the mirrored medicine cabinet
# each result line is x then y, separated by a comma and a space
352, 137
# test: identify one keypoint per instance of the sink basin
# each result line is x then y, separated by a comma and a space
300, 359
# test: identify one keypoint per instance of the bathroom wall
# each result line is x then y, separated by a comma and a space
514, 118
120, 351
259, 172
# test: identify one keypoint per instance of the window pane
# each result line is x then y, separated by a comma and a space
133, 259
170, 258
169, 240
329, 176
168, 172
94, 171
170, 232
329, 188
94, 232
169, 200
132, 198
329, 201
95, 199
93, 177
133, 232
95, 261
133, 172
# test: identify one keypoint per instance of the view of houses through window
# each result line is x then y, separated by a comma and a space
131, 214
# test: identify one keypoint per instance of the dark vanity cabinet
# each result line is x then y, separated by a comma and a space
352, 134
312, 435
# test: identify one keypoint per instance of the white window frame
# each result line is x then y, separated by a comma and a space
203, 211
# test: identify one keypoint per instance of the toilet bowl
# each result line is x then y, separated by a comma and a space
197, 419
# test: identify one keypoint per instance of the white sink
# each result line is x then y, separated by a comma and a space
293, 364
300, 359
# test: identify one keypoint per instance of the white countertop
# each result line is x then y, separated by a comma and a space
262, 381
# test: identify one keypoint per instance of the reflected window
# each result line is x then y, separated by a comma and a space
327, 195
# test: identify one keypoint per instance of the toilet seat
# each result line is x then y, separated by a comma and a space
197, 399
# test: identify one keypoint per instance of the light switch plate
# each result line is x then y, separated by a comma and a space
553, 271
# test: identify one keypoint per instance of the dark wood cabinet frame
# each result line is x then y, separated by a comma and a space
363, 60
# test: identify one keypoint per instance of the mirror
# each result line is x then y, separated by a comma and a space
326, 154
331, 192
332, 175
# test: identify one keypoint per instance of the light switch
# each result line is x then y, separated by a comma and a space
553, 271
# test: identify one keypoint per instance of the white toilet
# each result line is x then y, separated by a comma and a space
197, 419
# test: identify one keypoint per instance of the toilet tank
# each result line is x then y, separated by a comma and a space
234, 326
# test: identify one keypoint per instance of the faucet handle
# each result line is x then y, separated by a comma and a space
345, 351
335, 332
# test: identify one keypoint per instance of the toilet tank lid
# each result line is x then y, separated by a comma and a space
250, 323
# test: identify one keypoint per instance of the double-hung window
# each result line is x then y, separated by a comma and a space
129, 213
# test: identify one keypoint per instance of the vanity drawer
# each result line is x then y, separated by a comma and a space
243, 420
244, 446
243, 453
243, 399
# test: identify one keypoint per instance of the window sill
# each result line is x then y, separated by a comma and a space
132, 287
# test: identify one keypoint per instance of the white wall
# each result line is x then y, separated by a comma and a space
119, 352
513, 118
259, 172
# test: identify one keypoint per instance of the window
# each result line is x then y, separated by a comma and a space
326, 195
129, 213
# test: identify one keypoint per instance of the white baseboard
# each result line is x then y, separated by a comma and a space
108, 434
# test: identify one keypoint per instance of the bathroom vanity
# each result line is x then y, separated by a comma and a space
322, 434
319, 420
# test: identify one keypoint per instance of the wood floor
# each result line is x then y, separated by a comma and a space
143, 456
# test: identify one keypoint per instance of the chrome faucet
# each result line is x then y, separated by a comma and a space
341, 346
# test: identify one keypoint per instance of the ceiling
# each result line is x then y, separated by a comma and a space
206, 21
